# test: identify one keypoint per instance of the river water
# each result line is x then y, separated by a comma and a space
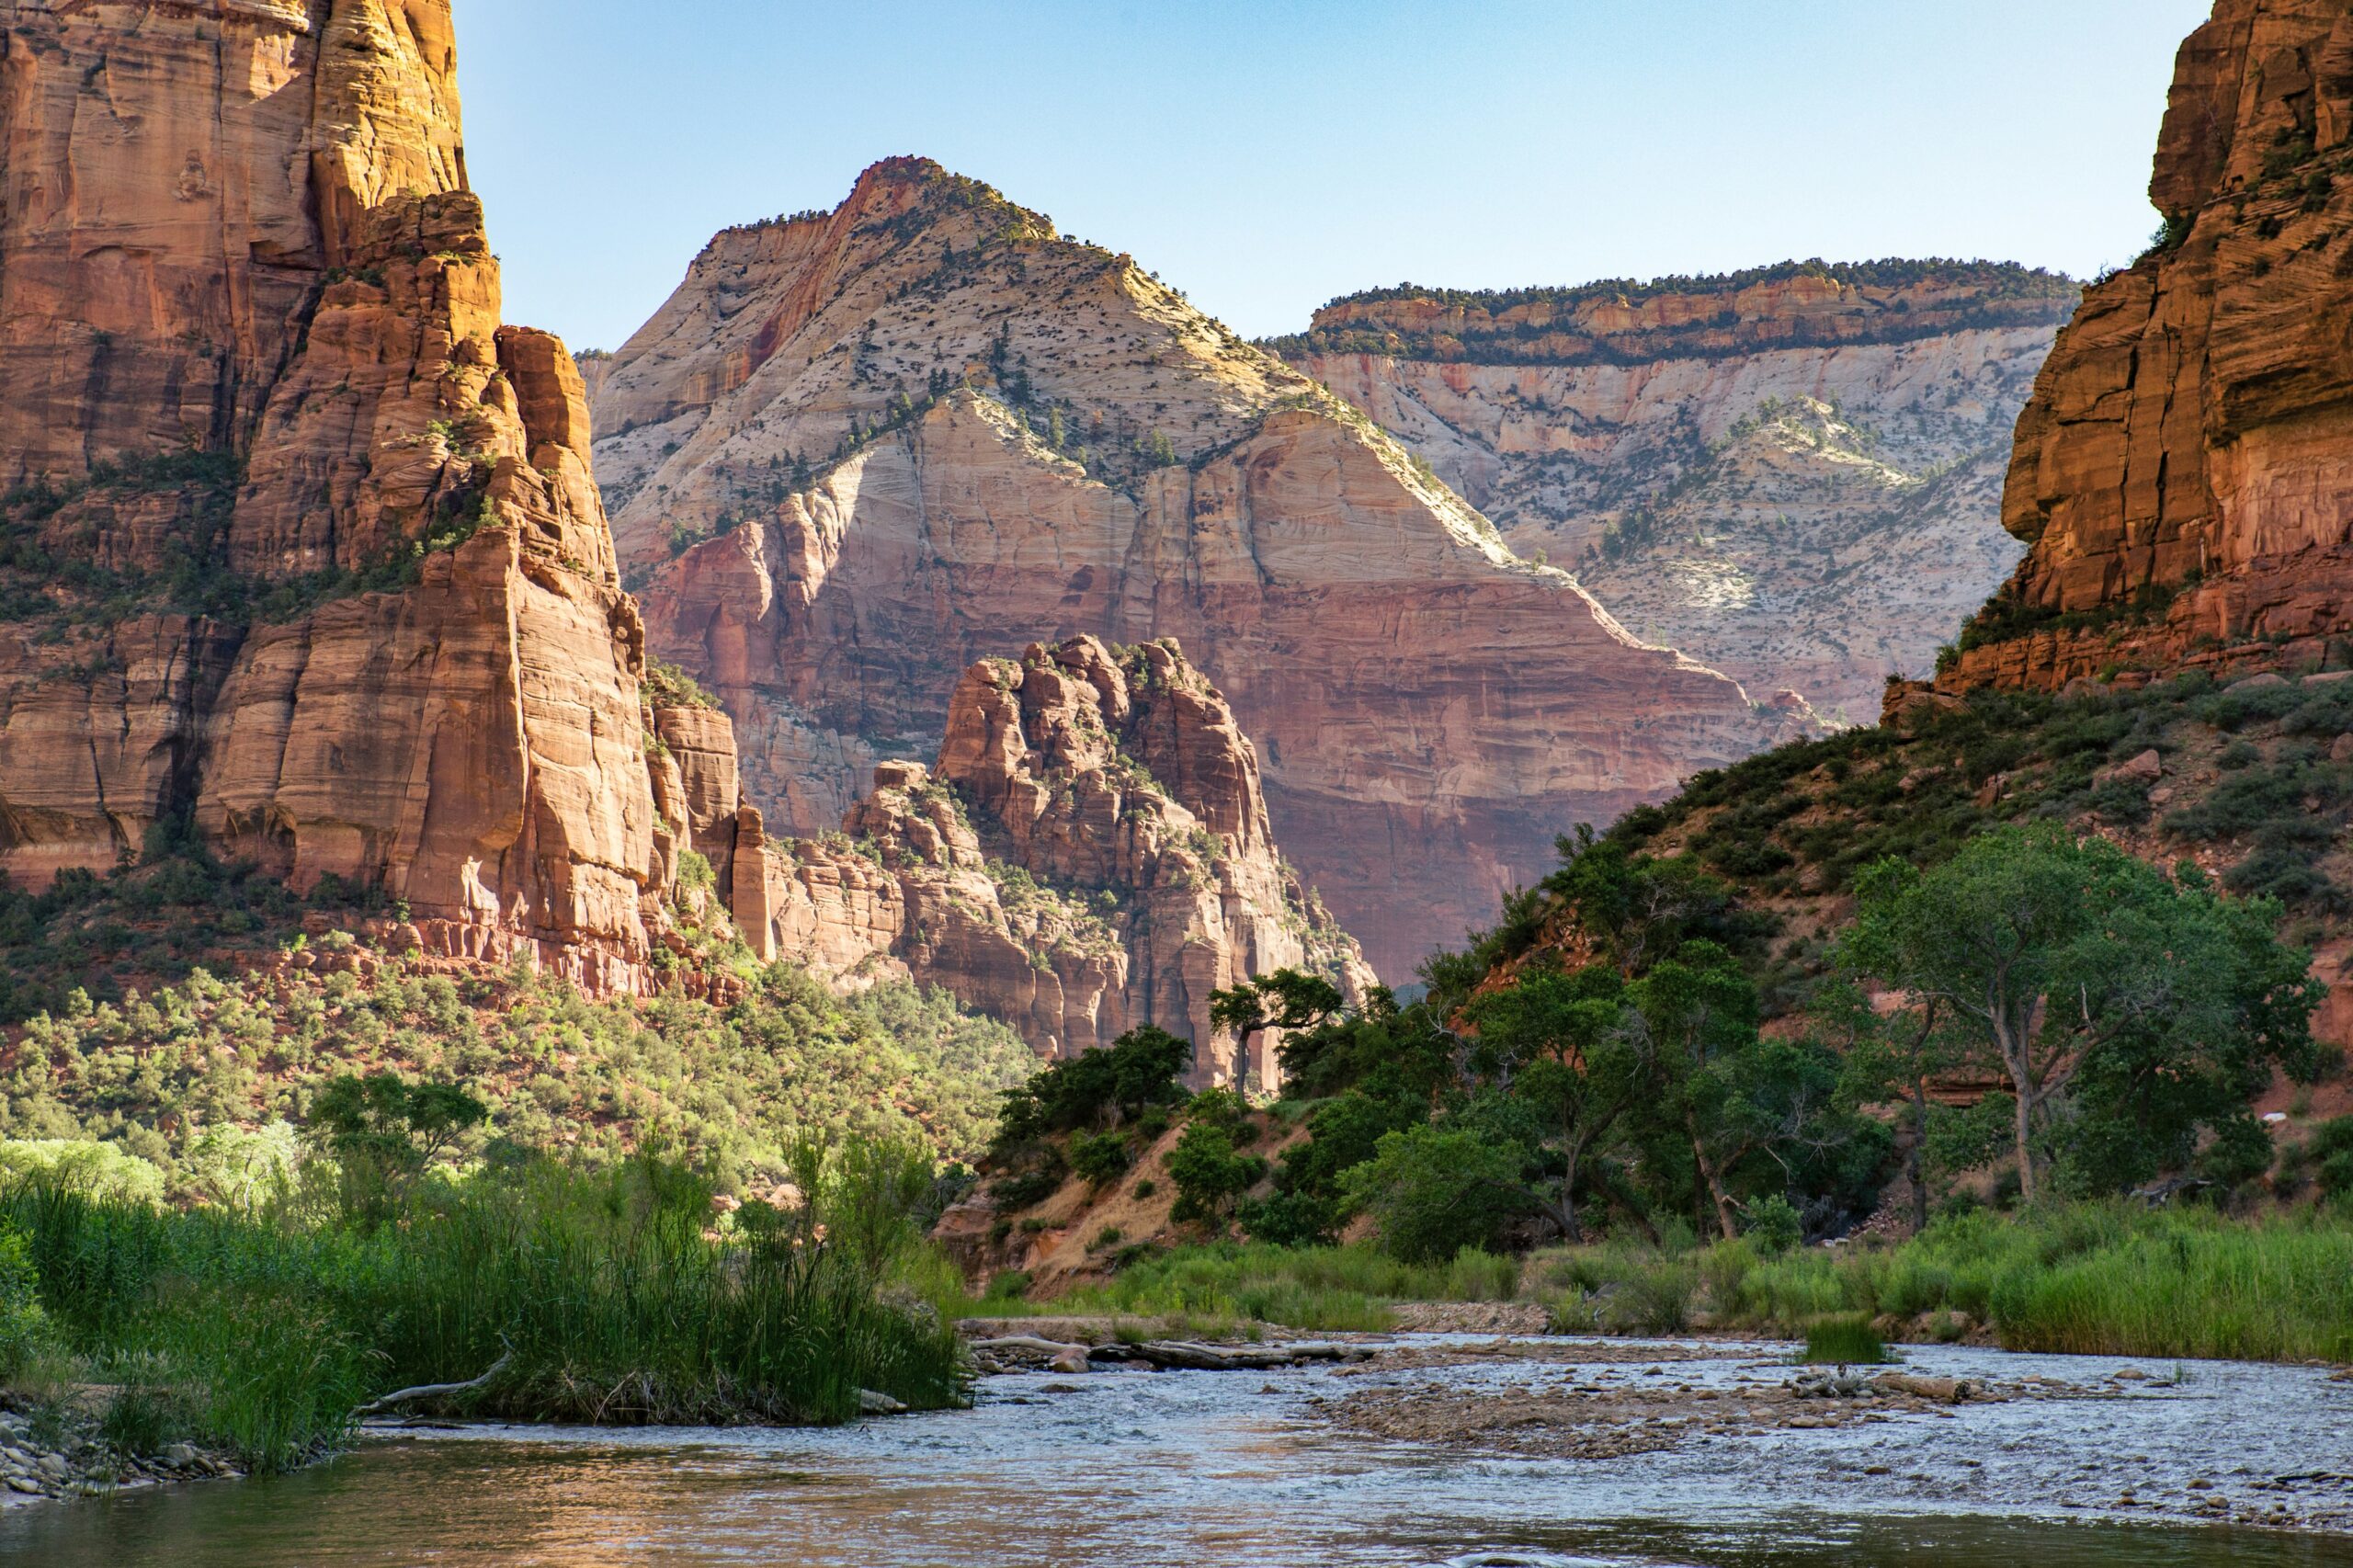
1200, 1470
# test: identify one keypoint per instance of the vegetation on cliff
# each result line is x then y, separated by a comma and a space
1546, 325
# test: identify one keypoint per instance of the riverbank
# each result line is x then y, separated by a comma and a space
527, 1289
2093, 1279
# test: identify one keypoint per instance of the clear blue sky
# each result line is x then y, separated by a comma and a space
1268, 154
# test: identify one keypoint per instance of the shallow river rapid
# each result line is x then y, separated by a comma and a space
1204, 1469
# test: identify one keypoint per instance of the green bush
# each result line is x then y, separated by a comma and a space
1774, 1225
24, 1327
1433, 1190
1210, 1174
2331, 1154
1099, 1158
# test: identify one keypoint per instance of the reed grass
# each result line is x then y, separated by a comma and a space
609, 1297
1846, 1340
1319, 1290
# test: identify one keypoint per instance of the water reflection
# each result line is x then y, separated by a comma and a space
1205, 1471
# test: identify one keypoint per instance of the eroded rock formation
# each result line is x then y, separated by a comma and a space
1091, 853
303, 549
858, 450
1792, 474
2183, 475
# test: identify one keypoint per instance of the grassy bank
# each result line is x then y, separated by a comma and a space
1320, 1290
2107, 1279
610, 1296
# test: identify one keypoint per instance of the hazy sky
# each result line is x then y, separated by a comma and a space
1268, 154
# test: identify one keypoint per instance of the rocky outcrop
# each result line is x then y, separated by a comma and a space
304, 548
1791, 475
857, 451
2183, 475
1092, 853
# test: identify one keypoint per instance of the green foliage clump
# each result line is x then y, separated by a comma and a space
1848, 1339
2134, 1014
1209, 1171
1144, 1067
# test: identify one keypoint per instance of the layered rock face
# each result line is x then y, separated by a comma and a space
1091, 853
858, 450
2183, 475
304, 548
1791, 475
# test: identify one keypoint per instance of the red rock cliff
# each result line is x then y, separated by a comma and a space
304, 547
2184, 474
855, 452
1092, 853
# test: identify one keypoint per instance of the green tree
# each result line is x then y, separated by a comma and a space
1433, 1190
1567, 1045
1209, 1173
385, 1133
2079, 967
1287, 1000
1897, 1053
1696, 1010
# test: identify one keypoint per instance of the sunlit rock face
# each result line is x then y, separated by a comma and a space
858, 450
1792, 474
2183, 475
251, 361
1091, 853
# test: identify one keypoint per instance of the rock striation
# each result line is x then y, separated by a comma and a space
303, 551
2184, 474
1792, 473
1091, 853
857, 451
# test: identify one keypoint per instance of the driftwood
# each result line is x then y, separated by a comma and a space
432, 1390
1029, 1344
1186, 1356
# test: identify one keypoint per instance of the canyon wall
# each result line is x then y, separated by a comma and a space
858, 450
1091, 853
302, 553
1791, 475
2184, 474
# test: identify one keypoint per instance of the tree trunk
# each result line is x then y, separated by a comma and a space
1915, 1166
1726, 1217
2025, 1150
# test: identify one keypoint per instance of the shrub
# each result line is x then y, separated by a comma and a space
1208, 1174
1099, 1158
2332, 1157
1774, 1225
24, 1327
1433, 1190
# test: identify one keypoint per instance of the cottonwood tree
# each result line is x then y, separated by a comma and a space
2073, 964
1573, 1051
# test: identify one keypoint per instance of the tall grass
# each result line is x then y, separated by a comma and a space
2092, 1278
1320, 1290
602, 1298
2095, 1278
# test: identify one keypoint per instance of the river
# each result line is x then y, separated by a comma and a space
1203, 1469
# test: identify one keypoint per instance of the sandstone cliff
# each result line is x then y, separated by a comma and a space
1091, 853
1791, 474
303, 550
2183, 475
857, 451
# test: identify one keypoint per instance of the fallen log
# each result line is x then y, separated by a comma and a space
1180, 1355
432, 1390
